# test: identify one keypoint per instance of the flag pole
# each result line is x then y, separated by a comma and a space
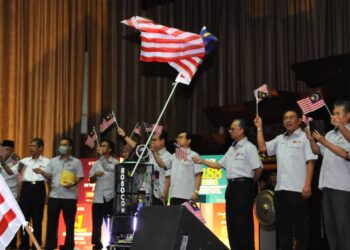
32, 237
328, 109
115, 119
94, 129
154, 128
325, 103
132, 133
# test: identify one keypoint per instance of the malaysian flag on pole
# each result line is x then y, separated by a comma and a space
91, 138
261, 93
194, 209
311, 103
107, 122
11, 216
158, 130
182, 50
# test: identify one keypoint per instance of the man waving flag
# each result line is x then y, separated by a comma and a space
183, 50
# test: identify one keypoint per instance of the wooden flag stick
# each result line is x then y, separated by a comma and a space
132, 133
32, 237
115, 119
94, 129
154, 128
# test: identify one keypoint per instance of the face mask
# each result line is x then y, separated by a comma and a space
63, 150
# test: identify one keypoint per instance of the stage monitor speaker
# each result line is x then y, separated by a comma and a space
172, 228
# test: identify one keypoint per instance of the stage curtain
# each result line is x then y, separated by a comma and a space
42, 46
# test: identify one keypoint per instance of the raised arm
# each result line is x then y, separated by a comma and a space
332, 147
260, 134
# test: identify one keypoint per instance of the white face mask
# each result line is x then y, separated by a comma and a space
63, 149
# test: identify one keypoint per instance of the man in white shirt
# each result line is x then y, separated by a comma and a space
65, 172
102, 174
185, 174
334, 178
160, 159
33, 191
295, 165
243, 167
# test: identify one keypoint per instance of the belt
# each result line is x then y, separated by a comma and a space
32, 182
240, 179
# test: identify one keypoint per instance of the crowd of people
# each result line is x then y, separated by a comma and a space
180, 174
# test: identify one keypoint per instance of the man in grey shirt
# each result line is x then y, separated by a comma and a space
335, 177
185, 174
102, 174
65, 172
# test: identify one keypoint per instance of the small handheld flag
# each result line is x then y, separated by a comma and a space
91, 138
261, 93
107, 121
312, 103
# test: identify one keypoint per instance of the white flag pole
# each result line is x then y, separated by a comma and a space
32, 237
94, 129
115, 119
133, 131
154, 128
330, 113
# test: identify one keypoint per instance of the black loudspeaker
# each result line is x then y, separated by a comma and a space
172, 228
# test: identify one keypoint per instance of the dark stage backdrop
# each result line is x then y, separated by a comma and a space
258, 40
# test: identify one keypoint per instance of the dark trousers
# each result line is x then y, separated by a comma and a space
69, 209
157, 202
239, 214
292, 217
336, 214
177, 201
31, 202
100, 211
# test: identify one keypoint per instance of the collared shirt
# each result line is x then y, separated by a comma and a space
11, 180
159, 184
241, 160
104, 185
292, 154
335, 170
29, 164
55, 168
182, 175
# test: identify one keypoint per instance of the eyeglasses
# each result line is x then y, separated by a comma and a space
230, 130
155, 139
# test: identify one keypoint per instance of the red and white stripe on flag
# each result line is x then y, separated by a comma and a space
307, 106
11, 216
106, 123
90, 140
158, 130
182, 50
181, 154
264, 89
